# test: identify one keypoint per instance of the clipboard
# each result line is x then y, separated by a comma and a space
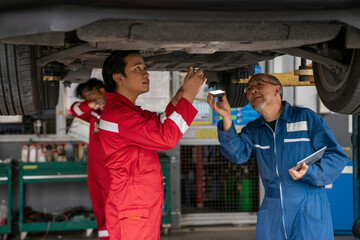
316, 156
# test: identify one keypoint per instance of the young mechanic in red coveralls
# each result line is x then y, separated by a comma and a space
131, 137
93, 92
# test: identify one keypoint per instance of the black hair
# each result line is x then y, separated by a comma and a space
114, 63
270, 77
89, 85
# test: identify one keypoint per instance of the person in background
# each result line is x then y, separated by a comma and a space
131, 137
93, 93
295, 205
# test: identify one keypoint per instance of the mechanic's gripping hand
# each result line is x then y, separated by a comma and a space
222, 108
296, 175
193, 83
95, 105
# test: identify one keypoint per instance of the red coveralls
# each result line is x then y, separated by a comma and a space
131, 137
98, 176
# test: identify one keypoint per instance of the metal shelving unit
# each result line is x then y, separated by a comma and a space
6, 179
50, 172
166, 212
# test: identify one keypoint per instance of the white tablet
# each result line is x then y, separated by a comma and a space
316, 156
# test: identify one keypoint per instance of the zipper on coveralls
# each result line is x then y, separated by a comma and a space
277, 173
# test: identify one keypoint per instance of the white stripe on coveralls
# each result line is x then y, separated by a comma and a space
262, 147
103, 233
109, 126
163, 117
95, 114
178, 120
175, 117
297, 126
287, 140
77, 109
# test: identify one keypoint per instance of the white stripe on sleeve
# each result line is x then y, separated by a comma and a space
77, 109
95, 114
262, 147
163, 117
179, 121
109, 126
103, 233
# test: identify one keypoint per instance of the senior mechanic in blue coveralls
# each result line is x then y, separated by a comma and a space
295, 205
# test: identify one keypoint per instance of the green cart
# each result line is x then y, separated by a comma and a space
6, 179
166, 213
51, 172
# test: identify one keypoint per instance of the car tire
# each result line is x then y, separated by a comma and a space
339, 90
234, 90
50, 90
19, 87
22, 91
356, 228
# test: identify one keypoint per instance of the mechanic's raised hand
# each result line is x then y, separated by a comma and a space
296, 175
222, 108
193, 83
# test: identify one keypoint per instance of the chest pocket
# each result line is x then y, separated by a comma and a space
297, 142
263, 152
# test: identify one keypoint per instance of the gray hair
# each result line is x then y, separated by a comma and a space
270, 77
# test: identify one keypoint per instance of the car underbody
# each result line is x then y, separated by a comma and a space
55, 42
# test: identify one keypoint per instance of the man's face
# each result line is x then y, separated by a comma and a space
136, 80
260, 91
96, 95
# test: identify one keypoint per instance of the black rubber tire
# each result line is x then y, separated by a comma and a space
234, 90
19, 86
356, 228
50, 90
339, 91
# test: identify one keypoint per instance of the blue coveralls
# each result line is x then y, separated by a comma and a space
290, 209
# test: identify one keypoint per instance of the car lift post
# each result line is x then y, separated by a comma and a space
356, 181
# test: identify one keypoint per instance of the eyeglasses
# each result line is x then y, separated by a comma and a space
258, 84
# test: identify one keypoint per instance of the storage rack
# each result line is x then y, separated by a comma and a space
6, 179
200, 137
50, 172
166, 212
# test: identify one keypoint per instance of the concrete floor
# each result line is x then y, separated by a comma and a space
198, 233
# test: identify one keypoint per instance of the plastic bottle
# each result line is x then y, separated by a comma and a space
75, 152
60, 152
32, 153
25, 153
69, 151
38, 152
55, 152
81, 152
85, 159
42, 157
49, 154
3, 213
